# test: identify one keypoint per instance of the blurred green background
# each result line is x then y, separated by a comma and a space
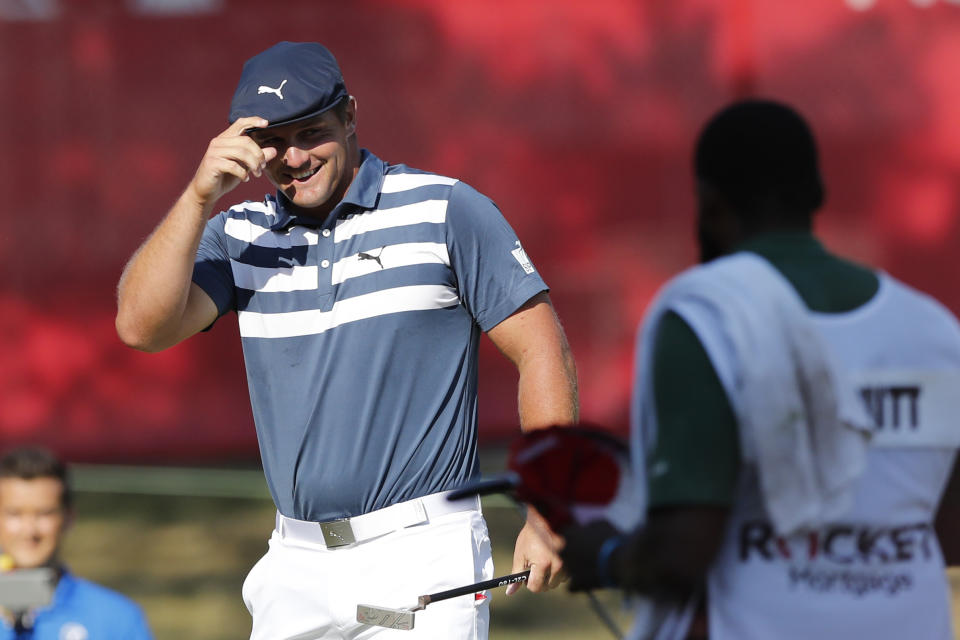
180, 543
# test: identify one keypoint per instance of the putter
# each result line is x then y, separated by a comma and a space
403, 618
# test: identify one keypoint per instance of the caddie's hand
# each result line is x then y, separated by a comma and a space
231, 158
537, 549
588, 554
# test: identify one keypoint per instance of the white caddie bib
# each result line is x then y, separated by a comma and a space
877, 571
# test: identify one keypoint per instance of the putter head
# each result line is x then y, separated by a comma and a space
401, 619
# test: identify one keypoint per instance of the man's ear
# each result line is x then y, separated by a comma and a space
350, 116
714, 204
719, 228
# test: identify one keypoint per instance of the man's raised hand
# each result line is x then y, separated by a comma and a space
231, 158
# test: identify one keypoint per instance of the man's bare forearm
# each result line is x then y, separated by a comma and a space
532, 338
157, 304
547, 390
153, 290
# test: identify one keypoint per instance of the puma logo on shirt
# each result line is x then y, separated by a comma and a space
363, 255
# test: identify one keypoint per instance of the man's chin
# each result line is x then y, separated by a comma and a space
32, 561
30, 564
304, 200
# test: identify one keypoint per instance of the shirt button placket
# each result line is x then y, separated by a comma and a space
324, 262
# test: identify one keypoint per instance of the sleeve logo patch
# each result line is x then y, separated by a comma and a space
522, 258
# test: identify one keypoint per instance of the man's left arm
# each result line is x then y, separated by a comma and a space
533, 339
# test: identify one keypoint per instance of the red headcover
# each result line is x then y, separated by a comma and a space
569, 473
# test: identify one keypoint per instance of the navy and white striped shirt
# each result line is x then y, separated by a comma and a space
360, 333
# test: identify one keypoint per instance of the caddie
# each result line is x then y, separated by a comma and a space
362, 289
794, 420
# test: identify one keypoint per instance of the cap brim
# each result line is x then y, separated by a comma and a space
307, 116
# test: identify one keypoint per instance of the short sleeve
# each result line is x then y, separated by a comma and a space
494, 274
696, 459
211, 269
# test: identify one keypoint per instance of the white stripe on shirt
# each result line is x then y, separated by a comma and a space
293, 278
434, 211
370, 305
388, 257
395, 182
262, 207
254, 234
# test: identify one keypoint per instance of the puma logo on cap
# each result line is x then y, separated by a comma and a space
265, 89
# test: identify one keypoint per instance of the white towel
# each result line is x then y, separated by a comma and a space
800, 423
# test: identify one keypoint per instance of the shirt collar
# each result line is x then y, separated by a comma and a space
781, 243
361, 193
65, 585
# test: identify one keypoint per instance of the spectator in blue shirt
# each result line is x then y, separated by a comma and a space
35, 512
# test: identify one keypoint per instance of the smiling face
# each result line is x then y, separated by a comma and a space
316, 160
33, 519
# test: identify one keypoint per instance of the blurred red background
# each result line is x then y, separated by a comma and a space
576, 117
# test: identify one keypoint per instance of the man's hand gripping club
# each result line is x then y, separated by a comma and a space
537, 549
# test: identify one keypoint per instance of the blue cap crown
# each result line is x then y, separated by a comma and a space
288, 82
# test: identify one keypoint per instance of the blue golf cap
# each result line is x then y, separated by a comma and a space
289, 82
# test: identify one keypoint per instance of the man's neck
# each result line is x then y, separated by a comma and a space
826, 282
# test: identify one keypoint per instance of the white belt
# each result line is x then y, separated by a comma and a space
345, 531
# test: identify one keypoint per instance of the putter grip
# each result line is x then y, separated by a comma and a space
493, 583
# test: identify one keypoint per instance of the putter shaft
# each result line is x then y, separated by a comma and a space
403, 619
493, 583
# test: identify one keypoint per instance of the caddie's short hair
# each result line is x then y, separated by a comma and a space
32, 462
761, 152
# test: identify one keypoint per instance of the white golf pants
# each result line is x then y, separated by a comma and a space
302, 590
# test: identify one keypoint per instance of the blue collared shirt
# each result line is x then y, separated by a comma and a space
360, 333
83, 610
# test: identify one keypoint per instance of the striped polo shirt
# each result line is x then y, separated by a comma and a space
360, 333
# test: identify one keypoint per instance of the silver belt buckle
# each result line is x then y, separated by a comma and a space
337, 533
